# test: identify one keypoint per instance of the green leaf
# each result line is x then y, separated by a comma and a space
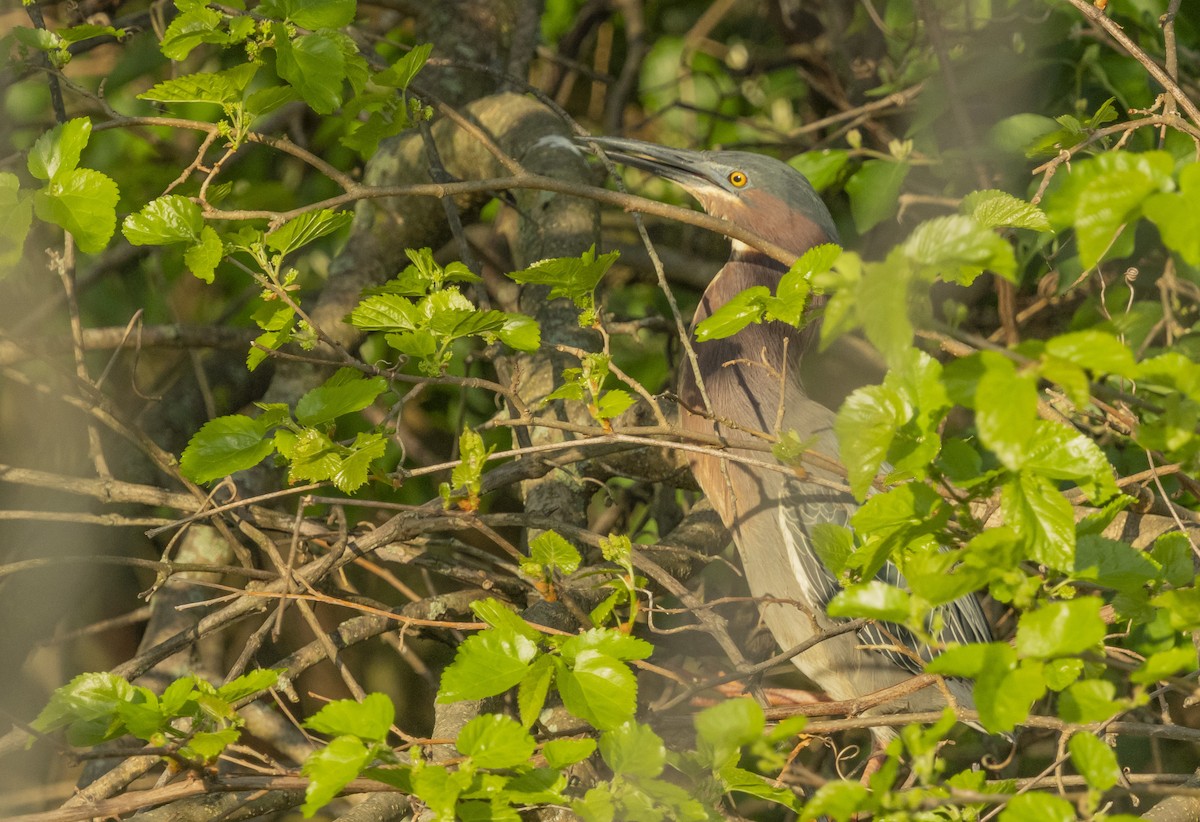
883, 306
302, 230
822, 168
573, 277
1173, 552
993, 208
632, 749
613, 643
971, 660
203, 258
722, 730
875, 192
1182, 606
222, 88
839, 800
208, 745
741, 310
533, 688
833, 543
1097, 351
385, 312
495, 741
223, 446
1104, 205
1004, 698
85, 698
597, 804
245, 685
599, 689
488, 663
168, 219
16, 216
748, 782
613, 404
57, 151
189, 29
1099, 195
347, 391
1172, 662
1042, 517
866, 424
1060, 673
1004, 690
1095, 761
370, 720
562, 753
356, 461
310, 14
83, 202
875, 599
314, 65
1057, 451
402, 72
330, 769
552, 551
1089, 700
498, 615
521, 333
1061, 629
1111, 563
1005, 405
1037, 807
439, 788
959, 249
1171, 211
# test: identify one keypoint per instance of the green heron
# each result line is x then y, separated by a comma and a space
752, 385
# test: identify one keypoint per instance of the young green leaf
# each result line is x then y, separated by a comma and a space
495, 741
82, 202
632, 749
616, 644
369, 720
562, 753
552, 551
223, 446
993, 208
741, 310
875, 599
486, 664
533, 688
1061, 629
723, 729
875, 192
57, 151
839, 800
1037, 807
314, 65
330, 769
1095, 761
402, 72
16, 217
599, 689
347, 391
304, 229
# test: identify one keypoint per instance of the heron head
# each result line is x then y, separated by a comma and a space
754, 191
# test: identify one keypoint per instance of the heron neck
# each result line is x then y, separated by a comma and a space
745, 269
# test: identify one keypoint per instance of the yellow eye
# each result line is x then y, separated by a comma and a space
737, 178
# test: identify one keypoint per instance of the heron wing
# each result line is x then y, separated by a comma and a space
962, 620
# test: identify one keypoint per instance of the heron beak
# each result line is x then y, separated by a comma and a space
676, 164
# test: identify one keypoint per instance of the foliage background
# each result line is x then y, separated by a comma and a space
113, 359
